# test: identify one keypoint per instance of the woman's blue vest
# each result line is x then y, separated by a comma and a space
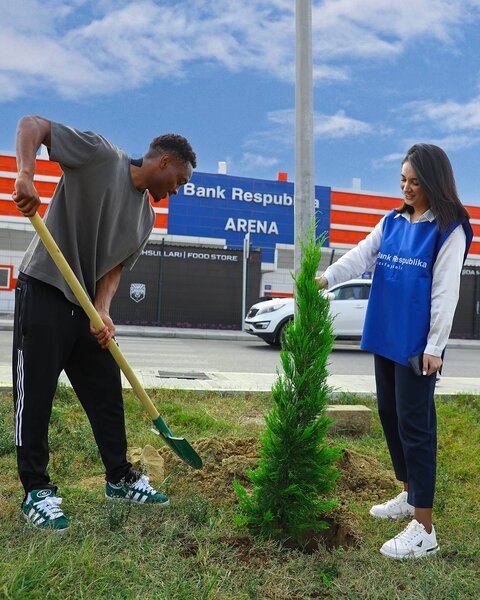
398, 314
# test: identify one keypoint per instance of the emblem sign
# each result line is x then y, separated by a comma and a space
137, 291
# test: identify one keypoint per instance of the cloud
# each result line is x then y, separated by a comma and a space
449, 115
450, 143
81, 48
381, 28
339, 125
334, 126
387, 159
450, 124
250, 160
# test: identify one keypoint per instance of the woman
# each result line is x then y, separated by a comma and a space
418, 251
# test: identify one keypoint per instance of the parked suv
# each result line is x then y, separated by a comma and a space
348, 304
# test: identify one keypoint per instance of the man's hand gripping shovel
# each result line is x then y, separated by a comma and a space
179, 445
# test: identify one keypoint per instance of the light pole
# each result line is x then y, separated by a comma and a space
246, 256
304, 209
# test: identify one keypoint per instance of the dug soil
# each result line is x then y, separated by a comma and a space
362, 479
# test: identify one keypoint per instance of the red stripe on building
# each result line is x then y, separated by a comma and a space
342, 236
161, 221
42, 167
474, 211
8, 208
8, 163
353, 218
364, 200
47, 167
44, 188
6, 185
475, 248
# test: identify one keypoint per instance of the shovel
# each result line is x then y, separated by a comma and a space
179, 445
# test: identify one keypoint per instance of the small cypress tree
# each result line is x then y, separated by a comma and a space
296, 466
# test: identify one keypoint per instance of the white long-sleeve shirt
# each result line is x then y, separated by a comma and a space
446, 274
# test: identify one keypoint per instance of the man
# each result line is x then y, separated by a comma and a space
101, 218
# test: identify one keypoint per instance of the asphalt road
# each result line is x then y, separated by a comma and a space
249, 356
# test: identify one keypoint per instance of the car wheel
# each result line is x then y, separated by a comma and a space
281, 334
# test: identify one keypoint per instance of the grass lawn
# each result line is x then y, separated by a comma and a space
194, 549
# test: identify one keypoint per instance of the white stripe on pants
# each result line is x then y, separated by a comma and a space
20, 399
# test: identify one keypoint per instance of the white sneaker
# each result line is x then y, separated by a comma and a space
397, 508
413, 542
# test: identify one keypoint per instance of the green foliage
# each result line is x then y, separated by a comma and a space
118, 514
297, 467
192, 551
65, 393
198, 511
7, 445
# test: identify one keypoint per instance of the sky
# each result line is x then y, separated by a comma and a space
386, 75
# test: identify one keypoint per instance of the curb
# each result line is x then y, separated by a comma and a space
334, 397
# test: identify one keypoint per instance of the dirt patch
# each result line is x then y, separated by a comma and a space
95, 482
228, 458
224, 459
362, 478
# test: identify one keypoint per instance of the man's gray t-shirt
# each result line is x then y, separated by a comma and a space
97, 216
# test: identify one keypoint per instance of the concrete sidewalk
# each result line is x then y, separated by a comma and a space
229, 382
362, 385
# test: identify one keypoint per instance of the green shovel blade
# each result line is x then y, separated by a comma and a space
179, 445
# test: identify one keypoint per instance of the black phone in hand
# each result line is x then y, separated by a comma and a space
416, 362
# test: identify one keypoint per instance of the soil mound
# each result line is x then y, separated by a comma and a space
363, 476
228, 458
224, 459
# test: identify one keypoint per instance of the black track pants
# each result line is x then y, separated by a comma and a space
407, 411
52, 334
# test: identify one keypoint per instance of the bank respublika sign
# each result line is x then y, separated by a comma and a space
220, 206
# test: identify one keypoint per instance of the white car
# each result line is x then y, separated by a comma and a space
348, 305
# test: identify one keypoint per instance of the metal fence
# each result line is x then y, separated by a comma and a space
466, 323
185, 286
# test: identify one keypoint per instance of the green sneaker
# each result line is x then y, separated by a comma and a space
138, 492
41, 509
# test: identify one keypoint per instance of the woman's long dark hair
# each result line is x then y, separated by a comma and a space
435, 175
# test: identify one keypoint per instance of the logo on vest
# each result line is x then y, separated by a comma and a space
138, 291
398, 262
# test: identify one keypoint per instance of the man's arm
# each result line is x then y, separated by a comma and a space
32, 131
105, 291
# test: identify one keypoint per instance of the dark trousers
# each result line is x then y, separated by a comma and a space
407, 411
52, 334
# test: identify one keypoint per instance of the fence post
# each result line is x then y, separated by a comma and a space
160, 283
246, 255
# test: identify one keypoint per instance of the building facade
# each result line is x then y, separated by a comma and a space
219, 211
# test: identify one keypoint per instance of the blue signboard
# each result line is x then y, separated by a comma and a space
220, 206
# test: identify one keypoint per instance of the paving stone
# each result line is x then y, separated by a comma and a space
351, 418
